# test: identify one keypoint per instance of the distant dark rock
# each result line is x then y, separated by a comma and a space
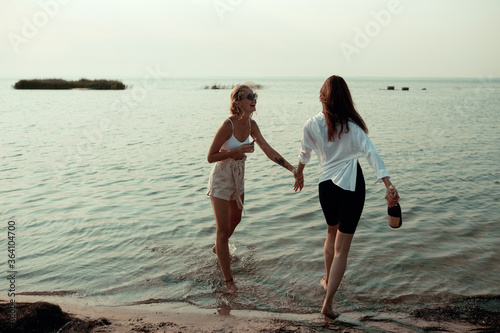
60, 84
215, 86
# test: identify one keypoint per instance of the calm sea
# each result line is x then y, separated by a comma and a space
107, 190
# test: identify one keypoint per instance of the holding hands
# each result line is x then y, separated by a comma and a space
299, 177
299, 181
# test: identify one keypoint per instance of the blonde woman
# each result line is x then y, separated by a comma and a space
226, 182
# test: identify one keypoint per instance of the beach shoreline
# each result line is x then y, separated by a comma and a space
183, 317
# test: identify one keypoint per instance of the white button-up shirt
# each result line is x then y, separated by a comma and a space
338, 158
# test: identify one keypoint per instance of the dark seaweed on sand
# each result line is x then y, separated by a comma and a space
43, 317
477, 311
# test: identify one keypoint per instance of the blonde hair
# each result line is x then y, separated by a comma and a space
237, 95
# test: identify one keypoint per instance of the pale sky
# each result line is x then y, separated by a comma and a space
253, 38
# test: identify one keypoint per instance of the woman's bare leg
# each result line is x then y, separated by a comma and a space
227, 217
221, 212
234, 214
234, 218
329, 250
342, 246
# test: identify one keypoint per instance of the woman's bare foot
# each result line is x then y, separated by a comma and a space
323, 282
230, 286
328, 311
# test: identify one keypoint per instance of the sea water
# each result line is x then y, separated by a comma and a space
107, 190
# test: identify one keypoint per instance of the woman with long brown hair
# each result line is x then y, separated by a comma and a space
226, 182
338, 135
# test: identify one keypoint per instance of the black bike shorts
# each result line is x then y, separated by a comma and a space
341, 206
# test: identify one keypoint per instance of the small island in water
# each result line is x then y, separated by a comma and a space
252, 85
63, 84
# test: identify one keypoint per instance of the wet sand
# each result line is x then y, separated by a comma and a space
37, 315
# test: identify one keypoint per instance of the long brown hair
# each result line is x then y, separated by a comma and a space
338, 107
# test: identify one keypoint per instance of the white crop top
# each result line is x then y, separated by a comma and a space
232, 142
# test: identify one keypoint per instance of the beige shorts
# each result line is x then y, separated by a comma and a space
227, 180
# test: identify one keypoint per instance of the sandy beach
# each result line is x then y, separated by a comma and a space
35, 314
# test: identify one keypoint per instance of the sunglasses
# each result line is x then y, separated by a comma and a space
251, 97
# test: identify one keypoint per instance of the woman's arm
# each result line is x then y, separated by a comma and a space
376, 162
272, 154
299, 177
307, 143
224, 133
391, 194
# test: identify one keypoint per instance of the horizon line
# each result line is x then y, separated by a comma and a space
260, 77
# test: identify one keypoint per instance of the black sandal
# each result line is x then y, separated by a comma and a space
230, 280
395, 212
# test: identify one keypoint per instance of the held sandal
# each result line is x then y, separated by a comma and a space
394, 213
